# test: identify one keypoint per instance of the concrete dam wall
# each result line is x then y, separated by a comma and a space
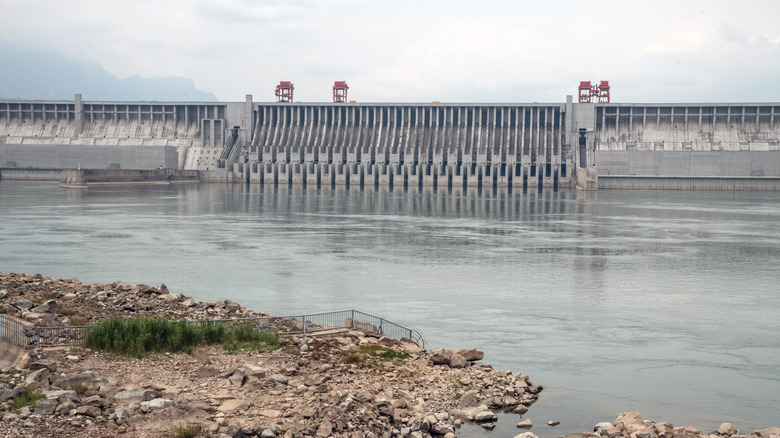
727, 146
126, 135
701, 146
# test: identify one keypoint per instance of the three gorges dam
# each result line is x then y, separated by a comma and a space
722, 146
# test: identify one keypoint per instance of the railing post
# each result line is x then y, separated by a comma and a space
353, 318
304, 325
381, 324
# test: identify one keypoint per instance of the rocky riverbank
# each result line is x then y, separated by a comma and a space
346, 383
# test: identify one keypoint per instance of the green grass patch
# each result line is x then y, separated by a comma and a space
27, 398
139, 336
383, 353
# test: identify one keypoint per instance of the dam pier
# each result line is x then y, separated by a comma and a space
727, 146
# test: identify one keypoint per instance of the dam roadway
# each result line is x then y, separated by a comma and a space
587, 145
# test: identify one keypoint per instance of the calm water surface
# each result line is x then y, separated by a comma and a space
662, 301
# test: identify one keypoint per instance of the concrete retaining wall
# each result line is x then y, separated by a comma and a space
93, 157
690, 183
30, 174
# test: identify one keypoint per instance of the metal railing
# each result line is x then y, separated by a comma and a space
28, 336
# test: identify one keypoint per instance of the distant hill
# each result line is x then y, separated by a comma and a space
38, 75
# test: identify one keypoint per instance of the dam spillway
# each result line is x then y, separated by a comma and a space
588, 145
412, 145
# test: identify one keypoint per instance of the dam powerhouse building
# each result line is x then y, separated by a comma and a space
731, 146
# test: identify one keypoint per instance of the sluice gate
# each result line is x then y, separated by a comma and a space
410, 145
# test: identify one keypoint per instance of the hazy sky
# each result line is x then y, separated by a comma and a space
397, 50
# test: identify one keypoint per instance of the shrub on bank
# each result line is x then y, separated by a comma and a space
138, 336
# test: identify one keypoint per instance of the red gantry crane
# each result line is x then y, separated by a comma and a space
340, 91
590, 92
284, 91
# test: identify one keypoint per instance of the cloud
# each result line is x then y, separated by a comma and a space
408, 50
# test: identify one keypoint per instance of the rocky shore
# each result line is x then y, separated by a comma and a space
345, 383
342, 383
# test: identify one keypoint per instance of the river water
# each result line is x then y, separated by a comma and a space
665, 302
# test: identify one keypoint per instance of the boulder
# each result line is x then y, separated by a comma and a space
46, 406
48, 364
632, 422
168, 298
766, 433
134, 396
207, 371
3, 293
687, 432
37, 376
23, 304
238, 377
603, 427
325, 429
526, 435
47, 307
457, 361
470, 354
442, 428
525, 424
89, 411
440, 356
232, 405
727, 429
280, 378
485, 416
157, 403
468, 399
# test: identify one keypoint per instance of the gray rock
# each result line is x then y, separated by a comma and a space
134, 395
727, 429
440, 356
238, 378
48, 364
23, 304
8, 394
3, 293
207, 371
470, 354
157, 403
485, 416
37, 376
47, 307
768, 432
525, 424
603, 427
325, 429
526, 435
65, 407
457, 361
553, 423
89, 411
280, 378
121, 414
45, 406
442, 428
70, 382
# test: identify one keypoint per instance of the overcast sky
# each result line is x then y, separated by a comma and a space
397, 50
